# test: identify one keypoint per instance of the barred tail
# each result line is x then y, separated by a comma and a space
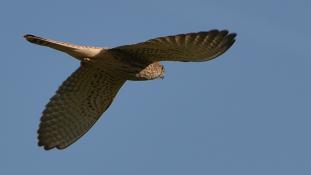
76, 51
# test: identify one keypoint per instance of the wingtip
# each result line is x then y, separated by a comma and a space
45, 147
43, 143
49, 146
233, 35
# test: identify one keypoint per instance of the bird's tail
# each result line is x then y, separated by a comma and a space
76, 51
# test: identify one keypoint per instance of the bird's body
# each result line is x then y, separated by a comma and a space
90, 90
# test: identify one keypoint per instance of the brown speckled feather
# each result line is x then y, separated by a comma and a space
201, 46
76, 106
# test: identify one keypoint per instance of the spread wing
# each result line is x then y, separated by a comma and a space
201, 46
76, 106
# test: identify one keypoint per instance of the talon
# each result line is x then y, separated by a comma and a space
86, 59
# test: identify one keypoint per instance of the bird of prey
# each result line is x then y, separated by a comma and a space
90, 90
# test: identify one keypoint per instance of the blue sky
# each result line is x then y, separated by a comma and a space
246, 112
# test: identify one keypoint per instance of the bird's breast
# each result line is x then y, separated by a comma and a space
129, 69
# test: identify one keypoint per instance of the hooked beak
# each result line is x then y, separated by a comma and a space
162, 77
162, 73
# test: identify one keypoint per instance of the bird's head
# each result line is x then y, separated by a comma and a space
152, 71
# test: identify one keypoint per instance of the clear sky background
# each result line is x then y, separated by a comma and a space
247, 112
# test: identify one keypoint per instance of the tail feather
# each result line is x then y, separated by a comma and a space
76, 51
62, 46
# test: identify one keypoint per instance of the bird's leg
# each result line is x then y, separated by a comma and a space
85, 61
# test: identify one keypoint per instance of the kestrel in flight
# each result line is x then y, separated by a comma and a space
90, 90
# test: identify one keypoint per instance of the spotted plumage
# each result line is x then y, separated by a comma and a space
90, 90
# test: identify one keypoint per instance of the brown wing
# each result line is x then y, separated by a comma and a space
201, 46
76, 106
